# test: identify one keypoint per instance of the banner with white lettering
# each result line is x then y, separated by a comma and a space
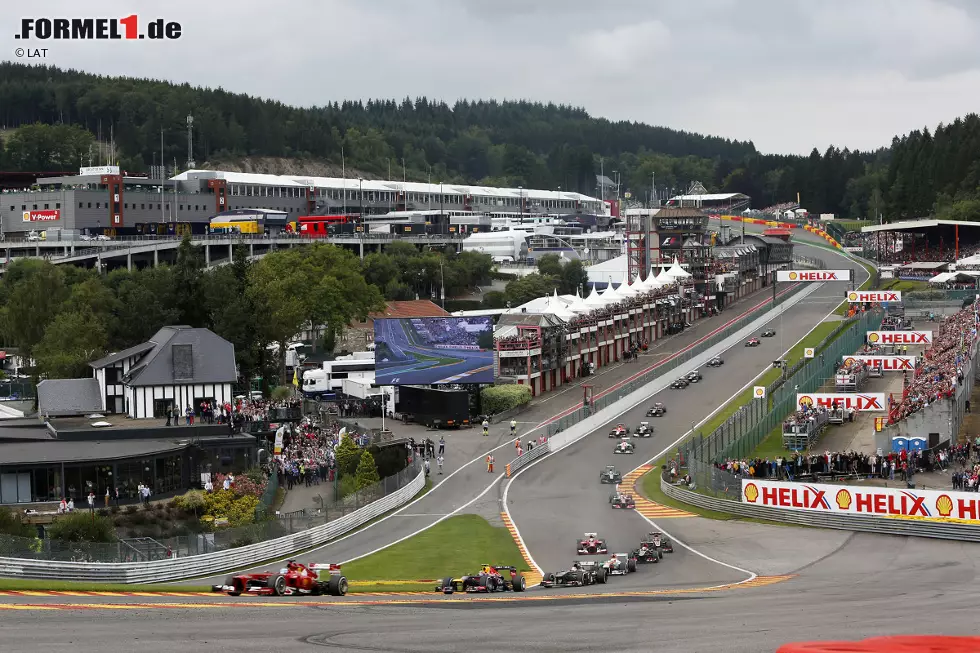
866, 501
867, 402
813, 275
900, 337
885, 363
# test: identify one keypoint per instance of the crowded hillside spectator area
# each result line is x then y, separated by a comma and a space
940, 370
922, 241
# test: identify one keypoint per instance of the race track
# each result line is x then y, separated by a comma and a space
419, 364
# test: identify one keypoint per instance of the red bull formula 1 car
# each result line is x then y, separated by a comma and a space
294, 578
490, 578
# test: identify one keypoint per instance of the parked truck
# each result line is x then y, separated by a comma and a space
434, 407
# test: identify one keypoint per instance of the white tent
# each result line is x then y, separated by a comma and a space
610, 295
594, 300
629, 290
677, 271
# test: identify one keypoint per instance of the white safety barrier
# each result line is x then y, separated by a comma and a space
158, 571
527, 457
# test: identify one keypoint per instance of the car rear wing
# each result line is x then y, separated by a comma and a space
330, 567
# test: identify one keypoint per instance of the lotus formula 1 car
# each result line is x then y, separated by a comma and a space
591, 545
659, 541
647, 554
644, 430
610, 475
680, 384
622, 501
581, 574
490, 578
657, 410
619, 431
294, 578
624, 446
620, 564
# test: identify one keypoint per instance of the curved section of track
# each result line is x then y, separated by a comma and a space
559, 498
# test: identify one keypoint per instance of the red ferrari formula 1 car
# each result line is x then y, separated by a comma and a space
294, 578
490, 578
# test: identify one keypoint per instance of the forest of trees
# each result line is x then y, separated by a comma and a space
496, 143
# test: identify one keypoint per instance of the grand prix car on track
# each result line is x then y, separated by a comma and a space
591, 544
694, 376
624, 446
620, 501
619, 431
753, 342
680, 383
581, 574
644, 430
768, 333
620, 564
294, 578
715, 362
657, 410
490, 578
610, 475
658, 541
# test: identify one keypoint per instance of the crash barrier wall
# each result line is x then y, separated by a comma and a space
657, 379
752, 423
880, 525
525, 458
172, 569
204, 544
683, 359
944, 417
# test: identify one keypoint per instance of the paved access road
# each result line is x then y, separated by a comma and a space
556, 500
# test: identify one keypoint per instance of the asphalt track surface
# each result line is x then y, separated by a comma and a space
416, 367
831, 584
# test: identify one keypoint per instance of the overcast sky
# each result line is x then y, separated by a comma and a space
787, 74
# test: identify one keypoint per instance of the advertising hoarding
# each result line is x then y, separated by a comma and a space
874, 296
866, 501
886, 363
46, 215
861, 402
899, 337
813, 275
433, 350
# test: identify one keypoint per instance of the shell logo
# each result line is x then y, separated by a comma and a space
751, 493
944, 505
793, 276
760, 391
873, 337
848, 361
852, 296
843, 499
806, 401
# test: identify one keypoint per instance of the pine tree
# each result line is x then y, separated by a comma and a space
347, 453
367, 471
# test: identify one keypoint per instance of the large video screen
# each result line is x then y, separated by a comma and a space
433, 350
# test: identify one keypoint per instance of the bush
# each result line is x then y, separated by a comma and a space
11, 523
189, 502
82, 527
498, 398
224, 504
346, 486
367, 471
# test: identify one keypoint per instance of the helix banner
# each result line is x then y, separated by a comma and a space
933, 505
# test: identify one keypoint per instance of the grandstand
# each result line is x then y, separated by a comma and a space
922, 241
698, 197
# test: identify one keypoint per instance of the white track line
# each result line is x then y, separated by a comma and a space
751, 575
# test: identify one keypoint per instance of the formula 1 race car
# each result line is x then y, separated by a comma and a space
620, 564
680, 383
647, 554
622, 501
579, 575
658, 541
694, 376
624, 446
644, 430
490, 578
294, 578
753, 342
591, 545
610, 475
657, 410
619, 431
768, 333
716, 362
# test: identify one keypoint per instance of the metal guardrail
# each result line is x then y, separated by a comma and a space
526, 458
157, 571
865, 524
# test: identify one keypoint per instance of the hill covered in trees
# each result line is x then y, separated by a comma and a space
500, 143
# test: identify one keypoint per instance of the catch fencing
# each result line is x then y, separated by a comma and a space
204, 544
751, 423
17, 390
177, 568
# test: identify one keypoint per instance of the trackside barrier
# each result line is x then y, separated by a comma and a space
527, 457
888, 526
157, 571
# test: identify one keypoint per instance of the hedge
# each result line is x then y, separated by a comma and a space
498, 398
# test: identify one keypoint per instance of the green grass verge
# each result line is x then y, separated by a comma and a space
907, 286
41, 585
456, 546
851, 225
